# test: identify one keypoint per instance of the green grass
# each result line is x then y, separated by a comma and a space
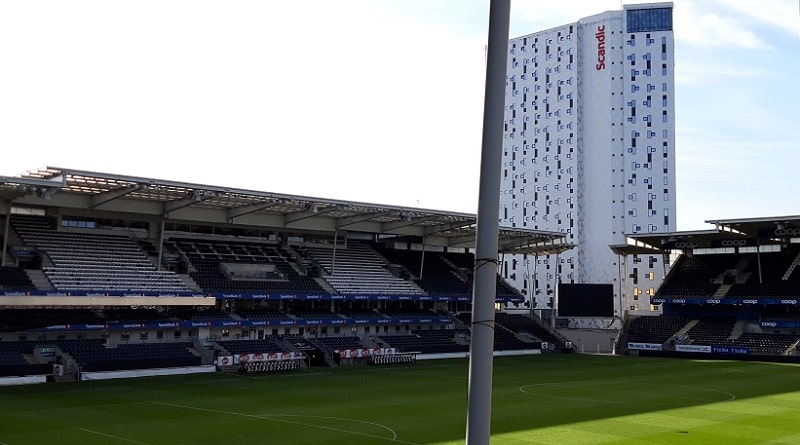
552, 399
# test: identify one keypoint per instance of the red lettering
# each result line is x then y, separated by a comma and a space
600, 35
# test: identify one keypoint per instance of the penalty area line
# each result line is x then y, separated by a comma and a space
111, 436
274, 419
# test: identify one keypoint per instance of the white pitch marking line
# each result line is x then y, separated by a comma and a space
111, 436
267, 417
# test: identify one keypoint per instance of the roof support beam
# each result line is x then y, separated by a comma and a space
449, 226
102, 198
193, 198
394, 225
244, 210
350, 220
305, 214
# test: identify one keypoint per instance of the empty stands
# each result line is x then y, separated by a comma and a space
428, 341
215, 264
84, 261
358, 269
12, 277
655, 330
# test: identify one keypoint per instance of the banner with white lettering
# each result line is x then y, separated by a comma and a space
644, 346
693, 348
365, 352
230, 360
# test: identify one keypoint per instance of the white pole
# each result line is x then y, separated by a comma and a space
479, 392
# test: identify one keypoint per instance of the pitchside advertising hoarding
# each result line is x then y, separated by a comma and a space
240, 359
703, 349
791, 301
259, 296
644, 346
231, 360
275, 322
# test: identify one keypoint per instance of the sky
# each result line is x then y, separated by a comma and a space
376, 101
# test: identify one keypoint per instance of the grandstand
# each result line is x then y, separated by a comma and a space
112, 274
733, 292
107, 274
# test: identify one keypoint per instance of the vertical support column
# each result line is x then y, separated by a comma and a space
5, 231
161, 241
479, 392
422, 261
333, 258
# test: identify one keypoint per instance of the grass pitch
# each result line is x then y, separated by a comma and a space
551, 399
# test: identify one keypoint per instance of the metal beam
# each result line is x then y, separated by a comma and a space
394, 225
193, 198
102, 198
432, 230
350, 220
305, 214
57, 181
244, 210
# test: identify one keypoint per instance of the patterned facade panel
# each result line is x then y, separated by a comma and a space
588, 150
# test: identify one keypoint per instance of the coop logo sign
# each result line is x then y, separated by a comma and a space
788, 301
733, 243
787, 232
600, 35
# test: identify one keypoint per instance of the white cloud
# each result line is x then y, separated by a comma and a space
697, 25
782, 14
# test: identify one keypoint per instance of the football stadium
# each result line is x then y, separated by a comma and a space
139, 310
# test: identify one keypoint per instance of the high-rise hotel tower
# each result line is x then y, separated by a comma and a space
589, 151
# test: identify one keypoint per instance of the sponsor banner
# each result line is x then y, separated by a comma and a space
365, 352
232, 360
155, 325
729, 350
791, 301
645, 346
780, 324
693, 348
734, 242
785, 232
254, 296
35, 293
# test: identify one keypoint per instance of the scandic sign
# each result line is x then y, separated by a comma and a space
600, 35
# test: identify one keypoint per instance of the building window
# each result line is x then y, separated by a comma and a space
652, 19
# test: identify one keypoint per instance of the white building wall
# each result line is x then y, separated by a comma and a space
569, 163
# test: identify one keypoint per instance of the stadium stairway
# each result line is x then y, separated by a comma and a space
39, 279
681, 334
189, 282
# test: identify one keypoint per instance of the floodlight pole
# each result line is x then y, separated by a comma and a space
479, 392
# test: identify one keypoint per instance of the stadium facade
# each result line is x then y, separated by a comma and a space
589, 150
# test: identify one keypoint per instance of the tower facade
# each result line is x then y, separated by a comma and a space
589, 151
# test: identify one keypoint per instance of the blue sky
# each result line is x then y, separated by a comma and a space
367, 100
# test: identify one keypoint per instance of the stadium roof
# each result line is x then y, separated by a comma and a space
107, 195
777, 226
726, 233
